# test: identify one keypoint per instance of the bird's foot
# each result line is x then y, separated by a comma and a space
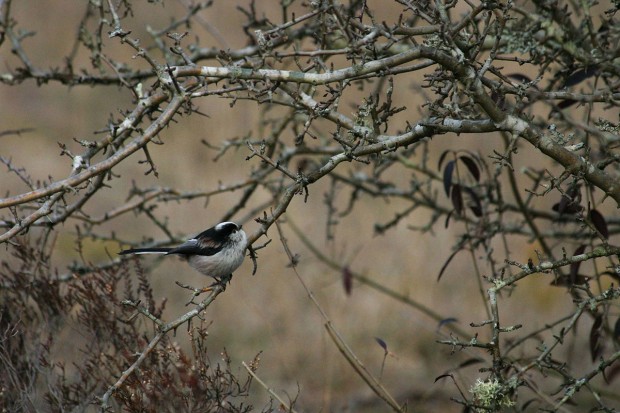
220, 282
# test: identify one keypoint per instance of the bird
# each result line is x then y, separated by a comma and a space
216, 252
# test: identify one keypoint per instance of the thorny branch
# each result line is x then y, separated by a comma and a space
162, 329
348, 103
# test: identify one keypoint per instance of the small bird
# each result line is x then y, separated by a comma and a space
216, 252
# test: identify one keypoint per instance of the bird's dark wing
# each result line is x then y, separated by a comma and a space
197, 246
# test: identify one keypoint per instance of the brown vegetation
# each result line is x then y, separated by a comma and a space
430, 189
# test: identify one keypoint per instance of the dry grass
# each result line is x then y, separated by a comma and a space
270, 312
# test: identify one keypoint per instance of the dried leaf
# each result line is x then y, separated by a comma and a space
347, 280
457, 199
470, 362
443, 376
570, 200
599, 223
581, 75
519, 77
382, 343
476, 207
567, 206
472, 166
596, 346
445, 264
448, 219
442, 157
445, 321
447, 177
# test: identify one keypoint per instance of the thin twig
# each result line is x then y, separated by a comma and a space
345, 350
283, 404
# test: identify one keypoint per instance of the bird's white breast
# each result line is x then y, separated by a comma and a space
224, 262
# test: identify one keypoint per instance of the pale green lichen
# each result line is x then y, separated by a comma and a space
491, 395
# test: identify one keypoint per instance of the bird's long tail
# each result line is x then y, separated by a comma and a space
145, 251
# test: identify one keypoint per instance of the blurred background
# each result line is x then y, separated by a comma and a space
270, 313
